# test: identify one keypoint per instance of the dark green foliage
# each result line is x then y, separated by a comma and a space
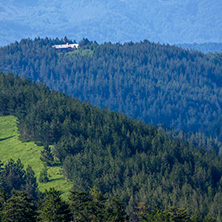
95, 207
13, 175
3, 198
43, 177
79, 205
145, 213
53, 208
170, 214
18, 208
98, 205
177, 214
31, 186
1, 174
47, 156
115, 210
92, 206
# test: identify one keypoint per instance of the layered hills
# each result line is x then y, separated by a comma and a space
84, 130
119, 155
151, 82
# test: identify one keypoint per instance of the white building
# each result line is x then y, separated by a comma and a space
66, 46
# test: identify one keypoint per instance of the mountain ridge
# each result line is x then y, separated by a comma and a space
117, 21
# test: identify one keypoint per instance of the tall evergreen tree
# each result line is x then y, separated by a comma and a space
98, 205
115, 210
18, 208
53, 209
80, 205
43, 178
31, 185
47, 156
13, 175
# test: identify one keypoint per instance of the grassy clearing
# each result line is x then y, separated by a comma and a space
29, 153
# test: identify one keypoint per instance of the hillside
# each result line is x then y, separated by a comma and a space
151, 82
119, 155
29, 154
166, 21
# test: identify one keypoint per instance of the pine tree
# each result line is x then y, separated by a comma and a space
43, 178
80, 204
1, 174
13, 175
115, 210
18, 208
53, 209
47, 156
98, 205
31, 186
3, 198
177, 214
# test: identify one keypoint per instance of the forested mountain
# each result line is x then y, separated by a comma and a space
166, 21
119, 155
151, 82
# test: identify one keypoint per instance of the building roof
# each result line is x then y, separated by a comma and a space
66, 46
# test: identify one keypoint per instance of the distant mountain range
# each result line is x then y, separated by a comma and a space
166, 21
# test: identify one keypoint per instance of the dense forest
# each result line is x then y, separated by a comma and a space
120, 156
147, 81
20, 201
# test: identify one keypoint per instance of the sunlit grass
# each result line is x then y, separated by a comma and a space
29, 153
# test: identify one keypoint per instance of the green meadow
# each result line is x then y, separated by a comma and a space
29, 153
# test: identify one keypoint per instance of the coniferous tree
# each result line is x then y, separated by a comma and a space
177, 214
3, 198
53, 208
13, 175
1, 174
146, 214
98, 205
43, 177
47, 156
31, 186
18, 208
80, 205
115, 210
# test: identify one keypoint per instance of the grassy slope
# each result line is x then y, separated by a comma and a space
29, 153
